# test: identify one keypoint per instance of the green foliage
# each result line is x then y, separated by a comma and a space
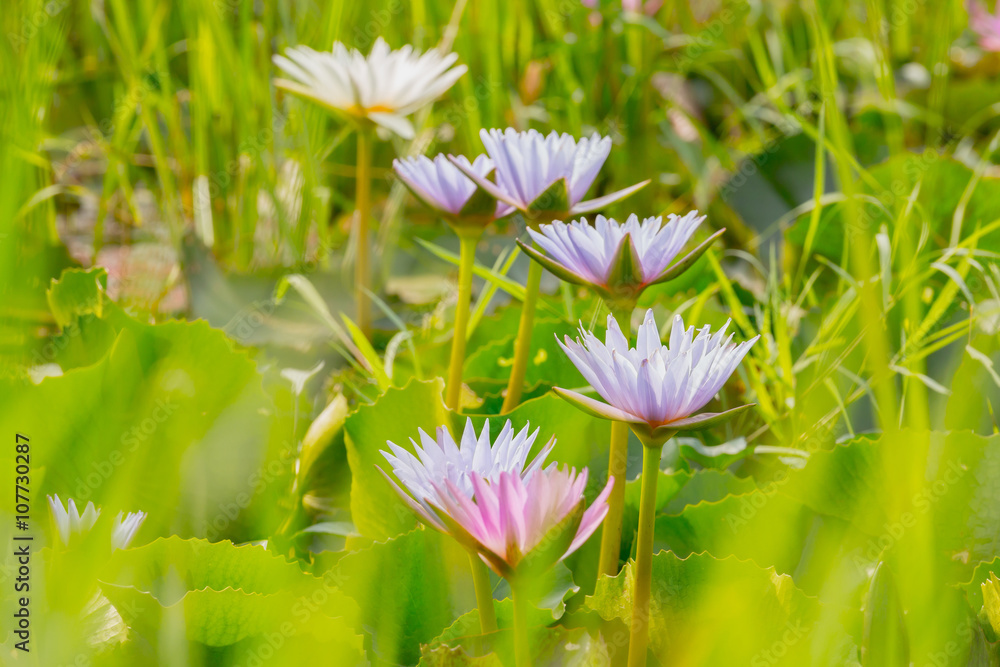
548, 364
154, 422
377, 511
412, 586
224, 596
77, 293
885, 638
723, 611
943, 201
463, 643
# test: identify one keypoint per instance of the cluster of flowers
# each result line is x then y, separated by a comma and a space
72, 526
512, 516
483, 493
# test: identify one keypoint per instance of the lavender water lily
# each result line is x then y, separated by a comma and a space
544, 178
617, 262
657, 390
442, 185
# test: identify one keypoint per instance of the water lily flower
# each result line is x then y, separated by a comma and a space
985, 25
520, 525
125, 528
445, 188
72, 525
657, 389
650, 7
441, 461
618, 261
545, 175
544, 178
383, 87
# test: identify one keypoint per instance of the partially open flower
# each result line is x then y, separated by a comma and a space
546, 176
383, 87
618, 261
657, 389
440, 460
125, 528
443, 187
72, 525
522, 526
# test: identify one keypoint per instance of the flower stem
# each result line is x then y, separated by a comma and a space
484, 594
467, 253
522, 652
522, 346
639, 638
611, 532
362, 201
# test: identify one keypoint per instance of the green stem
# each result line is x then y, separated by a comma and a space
900, 32
522, 652
611, 532
362, 201
639, 638
468, 238
633, 45
522, 346
484, 594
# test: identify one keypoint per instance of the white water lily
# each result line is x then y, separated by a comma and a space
657, 388
550, 174
617, 260
125, 528
439, 460
72, 525
70, 522
384, 87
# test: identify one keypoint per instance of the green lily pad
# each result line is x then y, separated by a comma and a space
410, 588
221, 594
151, 423
377, 511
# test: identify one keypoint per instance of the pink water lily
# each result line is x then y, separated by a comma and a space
617, 260
445, 188
440, 462
985, 25
545, 174
383, 87
656, 388
518, 525
650, 7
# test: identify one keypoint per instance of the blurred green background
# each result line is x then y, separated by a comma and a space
175, 256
